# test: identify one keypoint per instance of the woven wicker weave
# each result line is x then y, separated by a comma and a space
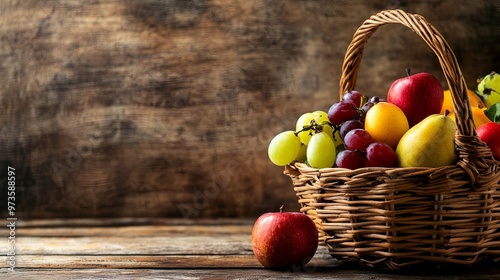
399, 217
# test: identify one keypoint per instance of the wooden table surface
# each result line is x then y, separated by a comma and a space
169, 249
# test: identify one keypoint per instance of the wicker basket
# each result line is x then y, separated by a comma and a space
400, 217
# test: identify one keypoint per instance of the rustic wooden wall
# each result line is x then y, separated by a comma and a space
165, 108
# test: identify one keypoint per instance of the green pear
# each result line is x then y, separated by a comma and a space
429, 143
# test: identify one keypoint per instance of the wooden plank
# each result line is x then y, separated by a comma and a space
206, 251
208, 261
135, 261
132, 231
129, 221
155, 239
177, 252
171, 246
98, 245
257, 273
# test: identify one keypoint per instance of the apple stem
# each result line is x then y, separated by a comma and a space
281, 208
408, 72
446, 112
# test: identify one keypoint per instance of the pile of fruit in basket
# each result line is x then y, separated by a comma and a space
413, 127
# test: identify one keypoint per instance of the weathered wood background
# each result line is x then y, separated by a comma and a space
165, 108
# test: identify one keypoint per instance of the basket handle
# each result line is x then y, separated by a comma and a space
446, 57
475, 156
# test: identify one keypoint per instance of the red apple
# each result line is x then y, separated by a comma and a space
418, 96
282, 240
490, 134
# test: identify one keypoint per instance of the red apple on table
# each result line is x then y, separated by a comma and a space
490, 134
282, 240
418, 96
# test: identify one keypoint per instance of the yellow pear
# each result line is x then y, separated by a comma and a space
430, 143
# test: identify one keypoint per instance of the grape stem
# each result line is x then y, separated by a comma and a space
313, 125
360, 113
358, 151
317, 128
364, 99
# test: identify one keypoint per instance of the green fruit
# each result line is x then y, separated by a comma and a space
489, 89
302, 122
430, 143
284, 148
337, 140
321, 152
302, 156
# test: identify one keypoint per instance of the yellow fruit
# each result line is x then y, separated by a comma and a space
477, 115
386, 123
430, 143
474, 100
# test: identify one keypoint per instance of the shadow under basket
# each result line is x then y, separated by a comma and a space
398, 218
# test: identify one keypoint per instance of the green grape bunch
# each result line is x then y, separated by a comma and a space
314, 141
